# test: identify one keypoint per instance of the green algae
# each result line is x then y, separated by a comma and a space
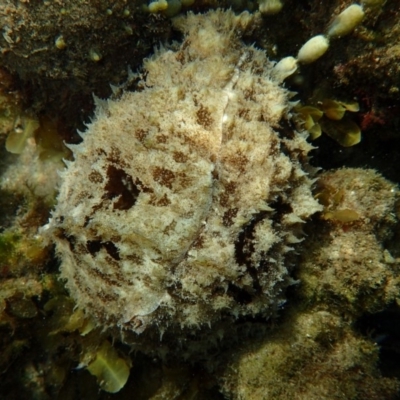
111, 370
8, 244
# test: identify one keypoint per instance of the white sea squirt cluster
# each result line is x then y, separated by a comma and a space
187, 197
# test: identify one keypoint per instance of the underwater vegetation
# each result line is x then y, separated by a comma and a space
201, 252
329, 117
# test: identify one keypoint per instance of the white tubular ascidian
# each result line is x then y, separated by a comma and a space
316, 47
346, 21
313, 49
269, 7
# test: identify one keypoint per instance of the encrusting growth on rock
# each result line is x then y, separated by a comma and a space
186, 198
345, 272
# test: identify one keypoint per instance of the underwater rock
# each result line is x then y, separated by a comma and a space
315, 354
316, 351
345, 262
187, 197
62, 52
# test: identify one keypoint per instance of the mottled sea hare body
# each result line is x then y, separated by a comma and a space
186, 197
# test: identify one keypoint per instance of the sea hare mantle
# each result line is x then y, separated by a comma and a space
186, 197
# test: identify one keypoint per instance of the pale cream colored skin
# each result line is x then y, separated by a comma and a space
184, 200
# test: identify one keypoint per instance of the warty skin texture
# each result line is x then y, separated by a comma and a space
187, 196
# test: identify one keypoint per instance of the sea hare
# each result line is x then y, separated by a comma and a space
186, 197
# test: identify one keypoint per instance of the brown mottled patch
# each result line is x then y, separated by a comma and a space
186, 139
184, 180
160, 202
107, 297
229, 131
118, 275
226, 196
115, 156
215, 174
179, 157
224, 199
95, 177
164, 176
170, 228
162, 138
135, 258
204, 117
80, 248
199, 242
111, 262
229, 216
181, 55
101, 152
244, 113
274, 146
140, 134
96, 208
104, 277
84, 196
238, 160
142, 187
230, 187
248, 94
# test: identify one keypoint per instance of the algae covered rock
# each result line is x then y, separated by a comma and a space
186, 197
318, 351
348, 263
313, 355
61, 52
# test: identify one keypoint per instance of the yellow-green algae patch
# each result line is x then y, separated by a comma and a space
110, 369
329, 116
